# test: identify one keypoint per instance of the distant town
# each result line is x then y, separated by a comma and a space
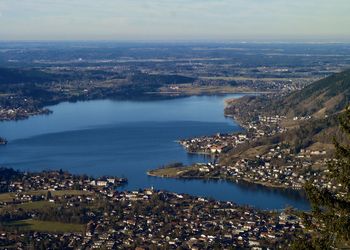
29, 84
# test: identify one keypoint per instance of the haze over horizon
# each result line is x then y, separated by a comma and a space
252, 20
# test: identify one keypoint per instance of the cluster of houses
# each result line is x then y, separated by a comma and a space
149, 218
22, 188
265, 126
37, 239
270, 119
301, 118
284, 85
184, 221
308, 153
222, 143
19, 113
188, 222
216, 144
276, 168
279, 167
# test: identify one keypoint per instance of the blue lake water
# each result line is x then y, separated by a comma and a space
127, 138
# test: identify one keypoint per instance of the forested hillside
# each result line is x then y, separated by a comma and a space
14, 76
324, 97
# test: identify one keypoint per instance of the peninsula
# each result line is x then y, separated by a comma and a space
283, 147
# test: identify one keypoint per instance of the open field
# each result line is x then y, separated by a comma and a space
171, 171
7, 197
187, 89
37, 205
245, 78
45, 226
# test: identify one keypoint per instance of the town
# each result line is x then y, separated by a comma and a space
278, 168
277, 165
58, 210
8, 114
213, 145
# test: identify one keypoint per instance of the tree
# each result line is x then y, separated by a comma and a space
48, 195
330, 215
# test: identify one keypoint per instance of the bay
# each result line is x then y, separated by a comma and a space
127, 138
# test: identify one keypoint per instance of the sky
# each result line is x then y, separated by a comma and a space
270, 20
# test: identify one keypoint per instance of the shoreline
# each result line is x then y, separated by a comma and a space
264, 184
149, 96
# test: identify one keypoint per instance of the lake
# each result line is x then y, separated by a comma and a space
127, 138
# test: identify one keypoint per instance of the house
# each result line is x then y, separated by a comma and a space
217, 149
111, 180
101, 183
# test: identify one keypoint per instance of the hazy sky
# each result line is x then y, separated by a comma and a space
175, 19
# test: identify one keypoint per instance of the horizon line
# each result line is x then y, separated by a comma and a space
213, 41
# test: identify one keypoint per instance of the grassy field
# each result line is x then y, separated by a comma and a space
36, 205
171, 171
7, 197
252, 152
242, 78
30, 206
45, 226
197, 90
